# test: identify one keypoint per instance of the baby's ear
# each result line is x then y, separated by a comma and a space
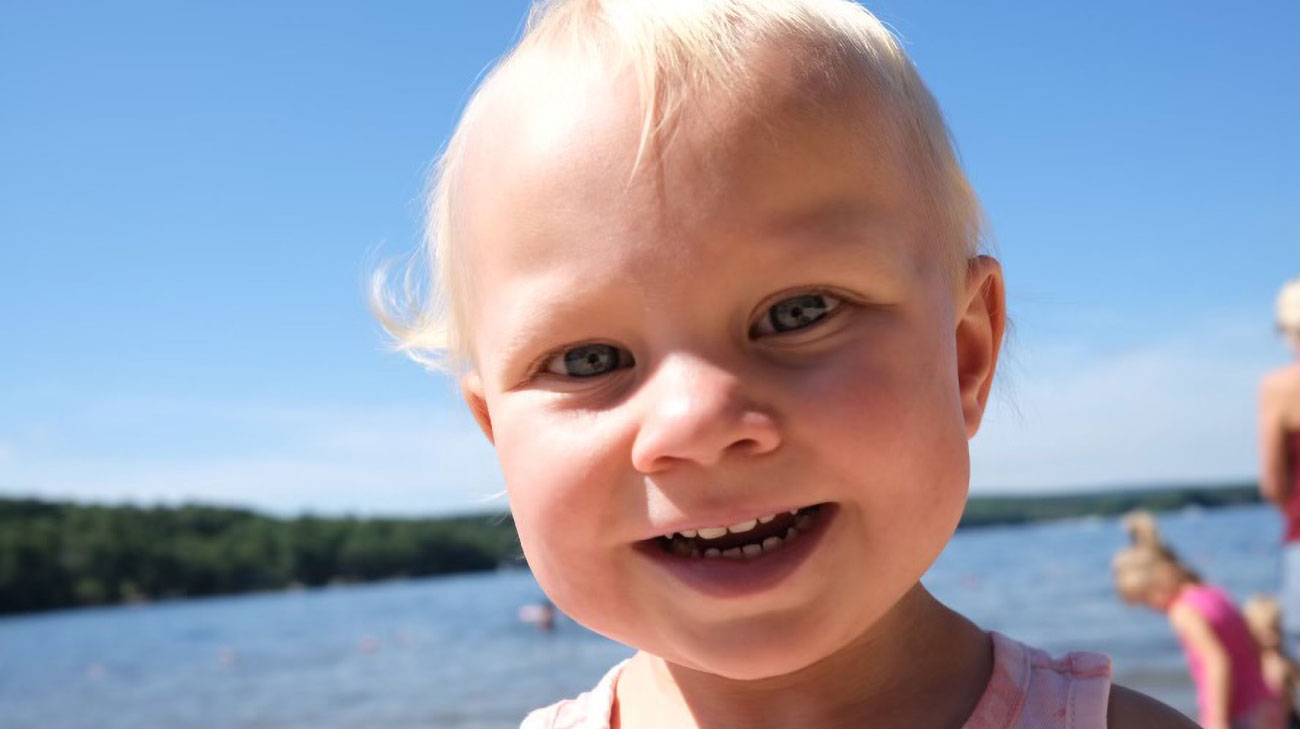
471, 388
981, 321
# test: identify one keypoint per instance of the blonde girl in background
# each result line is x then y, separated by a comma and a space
708, 271
1281, 673
1221, 653
1279, 471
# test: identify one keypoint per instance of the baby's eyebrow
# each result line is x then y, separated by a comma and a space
523, 343
849, 230
837, 216
536, 314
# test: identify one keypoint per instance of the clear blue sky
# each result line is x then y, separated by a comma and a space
191, 195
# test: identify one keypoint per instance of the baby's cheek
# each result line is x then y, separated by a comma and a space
551, 541
888, 424
562, 496
545, 496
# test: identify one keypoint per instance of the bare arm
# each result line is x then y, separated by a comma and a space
1217, 671
1272, 445
1290, 681
1129, 709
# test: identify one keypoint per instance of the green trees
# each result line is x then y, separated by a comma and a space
995, 510
60, 555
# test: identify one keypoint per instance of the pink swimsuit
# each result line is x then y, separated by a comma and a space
1250, 696
1028, 690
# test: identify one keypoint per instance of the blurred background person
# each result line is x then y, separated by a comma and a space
1279, 438
541, 614
1281, 673
1221, 654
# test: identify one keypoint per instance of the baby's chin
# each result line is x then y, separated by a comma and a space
756, 655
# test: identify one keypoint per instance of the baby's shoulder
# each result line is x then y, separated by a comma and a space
590, 710
1129, 709
1030, 689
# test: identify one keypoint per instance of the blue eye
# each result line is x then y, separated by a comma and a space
588, 360
796, 312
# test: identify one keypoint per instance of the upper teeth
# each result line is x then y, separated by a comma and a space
737, 528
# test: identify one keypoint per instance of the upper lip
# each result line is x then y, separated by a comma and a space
720, 518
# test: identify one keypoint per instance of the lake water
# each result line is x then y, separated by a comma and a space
449, 653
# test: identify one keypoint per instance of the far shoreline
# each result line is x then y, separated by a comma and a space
1010, 509
65, 555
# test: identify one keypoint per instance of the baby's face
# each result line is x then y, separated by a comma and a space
755, 322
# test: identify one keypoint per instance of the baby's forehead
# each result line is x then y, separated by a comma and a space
550, 111
767, 81
579, 147
545, 110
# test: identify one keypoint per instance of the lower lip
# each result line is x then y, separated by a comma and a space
727, 577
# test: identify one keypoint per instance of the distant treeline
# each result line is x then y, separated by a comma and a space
993, 510
55, 555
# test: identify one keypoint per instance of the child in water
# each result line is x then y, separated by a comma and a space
1221, 653
708, 271
1281, 673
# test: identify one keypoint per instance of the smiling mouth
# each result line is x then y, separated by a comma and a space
746, 540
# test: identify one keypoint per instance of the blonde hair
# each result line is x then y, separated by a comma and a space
1263, 616
1147, 560
1288, 307
676, 49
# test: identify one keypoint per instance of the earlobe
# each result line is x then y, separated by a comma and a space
981, 322
471, 388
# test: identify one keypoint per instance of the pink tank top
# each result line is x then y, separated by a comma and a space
1292, 510
1248, 687
1028, 690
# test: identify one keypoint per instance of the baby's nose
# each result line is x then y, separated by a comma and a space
699, 412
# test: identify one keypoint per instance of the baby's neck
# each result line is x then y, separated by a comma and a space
920, 665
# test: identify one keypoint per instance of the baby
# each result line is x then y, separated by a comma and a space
708, 272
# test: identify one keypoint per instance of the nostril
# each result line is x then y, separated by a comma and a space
751, 446
700, 416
